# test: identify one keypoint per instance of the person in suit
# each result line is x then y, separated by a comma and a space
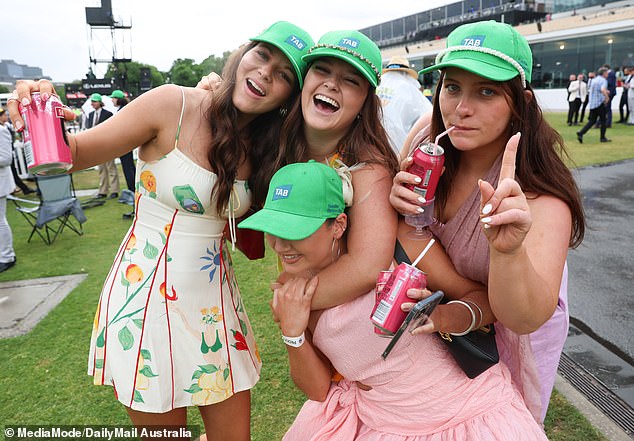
127, 161
612, 89
108, 176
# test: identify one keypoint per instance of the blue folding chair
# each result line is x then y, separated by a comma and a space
58, 208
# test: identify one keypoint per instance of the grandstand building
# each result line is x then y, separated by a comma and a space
566, 36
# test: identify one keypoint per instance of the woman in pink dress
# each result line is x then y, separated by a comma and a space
514, 238
418, 393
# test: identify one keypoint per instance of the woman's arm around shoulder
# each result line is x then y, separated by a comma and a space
370, 240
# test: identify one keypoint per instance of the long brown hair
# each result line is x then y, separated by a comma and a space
366, 139
257, 143
539, 165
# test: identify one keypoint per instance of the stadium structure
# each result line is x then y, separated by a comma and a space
566, 36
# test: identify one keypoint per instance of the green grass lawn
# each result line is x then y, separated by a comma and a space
43, 373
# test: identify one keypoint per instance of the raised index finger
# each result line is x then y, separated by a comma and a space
507, 170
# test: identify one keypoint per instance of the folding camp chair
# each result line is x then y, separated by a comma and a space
55, 210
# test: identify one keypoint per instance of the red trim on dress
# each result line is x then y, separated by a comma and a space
118, 258
169, 327
224, 320
136, 364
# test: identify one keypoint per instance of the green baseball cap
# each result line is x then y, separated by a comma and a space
489, 49
117, 94
352, 47
301, 197
96, 97
292, 40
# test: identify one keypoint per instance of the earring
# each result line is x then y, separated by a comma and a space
332, 250
358, 116
283, 111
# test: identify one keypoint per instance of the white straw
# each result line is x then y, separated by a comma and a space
422, 254
440, 136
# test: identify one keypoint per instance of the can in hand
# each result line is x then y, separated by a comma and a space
381, 280
387, 314
46, 146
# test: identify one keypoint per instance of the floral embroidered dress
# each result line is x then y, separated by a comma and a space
171, 329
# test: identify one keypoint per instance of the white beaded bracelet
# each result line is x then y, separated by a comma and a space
295, 342
473, 318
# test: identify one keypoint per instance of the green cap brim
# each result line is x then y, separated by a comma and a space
289, 55
482, 67
350, 59
281, 224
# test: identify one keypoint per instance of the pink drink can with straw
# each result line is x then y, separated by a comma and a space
387, 314
46, 147
428, 161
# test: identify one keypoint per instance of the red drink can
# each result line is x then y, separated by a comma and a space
46, 147
387, 314
381, 280
428, 161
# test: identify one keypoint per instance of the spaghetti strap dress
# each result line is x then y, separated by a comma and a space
171, 329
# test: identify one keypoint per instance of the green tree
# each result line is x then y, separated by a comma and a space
4, 89
214, 64
184, 72
127, 76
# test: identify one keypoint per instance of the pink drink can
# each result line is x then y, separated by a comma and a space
428, 161
381, 280
387, 314
46, 147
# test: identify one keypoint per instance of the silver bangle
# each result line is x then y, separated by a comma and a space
473, 318
471, 302
295, 342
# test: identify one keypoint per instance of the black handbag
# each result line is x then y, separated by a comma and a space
474, 352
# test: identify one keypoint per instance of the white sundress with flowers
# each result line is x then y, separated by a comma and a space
170, 329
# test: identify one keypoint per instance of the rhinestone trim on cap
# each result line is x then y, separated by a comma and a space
351, 52
485, 50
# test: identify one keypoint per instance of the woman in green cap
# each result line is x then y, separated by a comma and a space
507, 207
171, 330
417, 393
336, 121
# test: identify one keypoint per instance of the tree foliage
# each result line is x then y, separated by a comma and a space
127, 76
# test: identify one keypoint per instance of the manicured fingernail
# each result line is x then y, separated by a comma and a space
422, 200
25, 101
487, 226
420, 209
487, 209
485, 220
18, 126
45, 96
417, 180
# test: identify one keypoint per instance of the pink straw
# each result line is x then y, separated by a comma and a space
420, 256
440, 136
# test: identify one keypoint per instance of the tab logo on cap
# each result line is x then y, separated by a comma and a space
474, 40
352, 43
296, 42
282, 192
